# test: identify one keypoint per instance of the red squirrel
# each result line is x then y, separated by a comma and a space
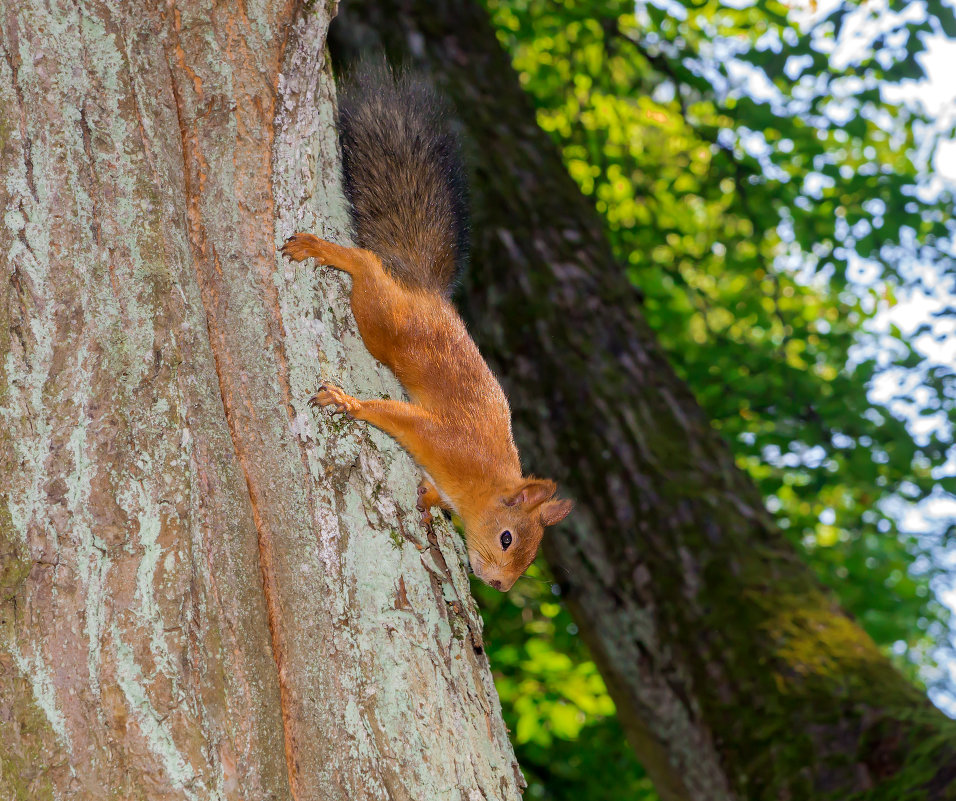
405, 184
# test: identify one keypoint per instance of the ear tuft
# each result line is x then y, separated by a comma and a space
532, 492
555, 511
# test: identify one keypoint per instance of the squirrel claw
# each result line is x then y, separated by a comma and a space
304, 246
299, 246
330, 395
426, 515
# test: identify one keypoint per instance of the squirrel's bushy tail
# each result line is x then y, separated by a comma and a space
403, 176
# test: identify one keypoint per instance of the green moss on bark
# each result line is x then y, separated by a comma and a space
29, 750
15, 562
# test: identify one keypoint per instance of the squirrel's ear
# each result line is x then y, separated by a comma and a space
555, 511
532, 492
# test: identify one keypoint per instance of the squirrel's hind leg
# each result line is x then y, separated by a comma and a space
379, 303
350, 260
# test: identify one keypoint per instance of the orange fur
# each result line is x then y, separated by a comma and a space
457, 426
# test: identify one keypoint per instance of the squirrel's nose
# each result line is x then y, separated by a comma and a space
495, 584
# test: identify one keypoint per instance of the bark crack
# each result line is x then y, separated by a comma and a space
199, 246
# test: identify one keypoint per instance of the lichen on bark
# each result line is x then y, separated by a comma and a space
205, 598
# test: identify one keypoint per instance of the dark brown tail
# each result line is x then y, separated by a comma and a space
403, 176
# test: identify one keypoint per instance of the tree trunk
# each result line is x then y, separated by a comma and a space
734, 672
205, 590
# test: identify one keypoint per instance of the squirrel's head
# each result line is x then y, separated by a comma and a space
505, 540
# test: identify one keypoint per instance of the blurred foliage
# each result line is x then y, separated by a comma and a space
569, 744
771, 194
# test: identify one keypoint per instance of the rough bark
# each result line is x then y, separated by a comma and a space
734, 672
205, 591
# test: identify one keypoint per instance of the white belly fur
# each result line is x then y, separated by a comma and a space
444, 497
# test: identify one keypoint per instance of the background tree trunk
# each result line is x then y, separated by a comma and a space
206, 591
734, 672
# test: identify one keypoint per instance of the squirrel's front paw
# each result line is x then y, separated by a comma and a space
304, 246
331, 395
422, 505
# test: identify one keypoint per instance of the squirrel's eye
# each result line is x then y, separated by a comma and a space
505, 540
